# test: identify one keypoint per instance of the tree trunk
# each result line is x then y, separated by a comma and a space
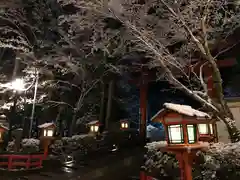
109, 103
72, 124
103, 105
58, 120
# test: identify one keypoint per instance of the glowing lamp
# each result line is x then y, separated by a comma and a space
207, 131
182, 124
47, 135
94, 126
47, 130
124, 124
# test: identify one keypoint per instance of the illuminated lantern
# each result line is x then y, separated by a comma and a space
208, 131
94, 126
124, 124
47, 131
181, 124
3, 129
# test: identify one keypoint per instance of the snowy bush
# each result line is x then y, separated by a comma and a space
10, 146
30, 145
219, 162
69, 144
27, 146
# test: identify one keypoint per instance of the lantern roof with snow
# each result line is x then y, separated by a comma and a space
4, 127
93, 123
177, 113
46, 125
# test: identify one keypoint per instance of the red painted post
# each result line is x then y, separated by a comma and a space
143, 176
187, 166
40, 161
28, 162
9, 162
179, 157
143, 111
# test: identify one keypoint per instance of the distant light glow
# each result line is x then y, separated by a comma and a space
18, 85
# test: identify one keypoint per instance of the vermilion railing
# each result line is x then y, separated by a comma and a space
12, 161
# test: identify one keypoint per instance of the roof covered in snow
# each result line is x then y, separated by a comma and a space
93, 123
46, 125
4, 127
182, 109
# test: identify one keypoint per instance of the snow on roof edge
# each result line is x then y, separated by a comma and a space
45, 125
182, 109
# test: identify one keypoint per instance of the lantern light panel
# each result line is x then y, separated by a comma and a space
175, 133
203, 128
94, 128
124, 125
48, 132
192, 134
211, 128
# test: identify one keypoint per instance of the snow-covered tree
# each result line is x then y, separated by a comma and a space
172, 34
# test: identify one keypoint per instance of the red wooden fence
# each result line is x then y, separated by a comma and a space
12, 161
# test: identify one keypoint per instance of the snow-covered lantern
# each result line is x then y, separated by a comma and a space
46, 135
47, 130
124, 124
3, 129
181, 124
94, 126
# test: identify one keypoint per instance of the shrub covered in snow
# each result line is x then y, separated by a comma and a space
27, 145
219, 162
69, 144
30, 145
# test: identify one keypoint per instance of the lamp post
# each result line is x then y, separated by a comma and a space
181, 124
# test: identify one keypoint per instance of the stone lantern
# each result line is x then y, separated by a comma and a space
47, 131
181, 125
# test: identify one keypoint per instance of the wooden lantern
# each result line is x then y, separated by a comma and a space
181, 123
47, 130
3, 129
46, 135
124, 124
94, 127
